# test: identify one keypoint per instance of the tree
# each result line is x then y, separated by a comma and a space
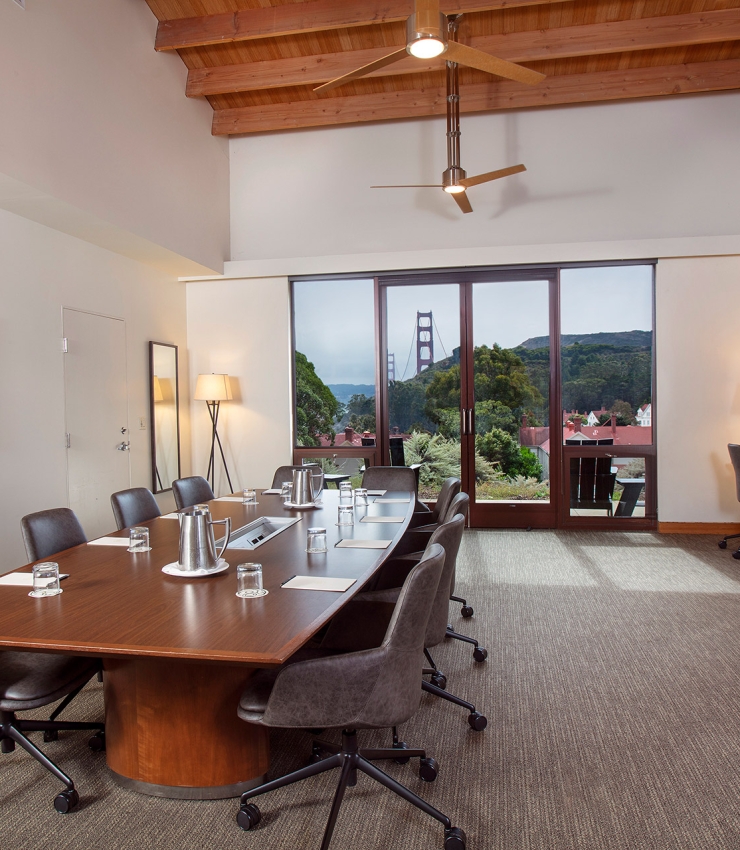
361, 410
316, 406
502, 449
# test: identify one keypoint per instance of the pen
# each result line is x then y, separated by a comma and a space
287, 580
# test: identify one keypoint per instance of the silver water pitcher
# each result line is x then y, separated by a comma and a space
302, 487
197, 541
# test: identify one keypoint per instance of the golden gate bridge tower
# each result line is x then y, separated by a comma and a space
424, 341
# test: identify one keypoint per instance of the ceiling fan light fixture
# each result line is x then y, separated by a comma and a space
454, 189
426, 39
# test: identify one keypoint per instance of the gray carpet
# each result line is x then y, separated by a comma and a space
613, 702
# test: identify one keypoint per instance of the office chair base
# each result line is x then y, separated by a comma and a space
351, 760
466, 610
477, 721
479, 653
65, 801
723, 542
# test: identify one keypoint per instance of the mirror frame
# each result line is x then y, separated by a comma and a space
156, 488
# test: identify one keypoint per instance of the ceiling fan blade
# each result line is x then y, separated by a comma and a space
366, 69
462, 200
467, 182
427, 16
472, 58
411, 186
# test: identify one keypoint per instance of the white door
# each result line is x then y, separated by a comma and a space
96, 413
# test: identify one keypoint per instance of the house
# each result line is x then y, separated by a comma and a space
115, 199
644, 416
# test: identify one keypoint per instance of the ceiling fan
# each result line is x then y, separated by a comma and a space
426, 37
454, 179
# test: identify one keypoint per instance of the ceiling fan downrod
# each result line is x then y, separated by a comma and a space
455, 173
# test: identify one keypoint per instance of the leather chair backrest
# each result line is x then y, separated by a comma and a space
734, 451
48, 532
285, 473
191, 491
400, 478
458, 505
448, 536
450, 488
130, 507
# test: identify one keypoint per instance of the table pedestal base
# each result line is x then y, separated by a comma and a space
172, 729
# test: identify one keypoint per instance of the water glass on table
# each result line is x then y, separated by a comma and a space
286, 491
360, 497
139, 539
345, 491
46, 579
249, 581
249, 496
316, 540
345, 515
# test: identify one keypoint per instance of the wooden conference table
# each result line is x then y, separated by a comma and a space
177, 652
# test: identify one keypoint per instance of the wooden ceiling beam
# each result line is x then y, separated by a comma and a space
575, 88
559, 43
312, 16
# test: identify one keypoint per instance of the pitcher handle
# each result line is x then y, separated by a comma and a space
227, 523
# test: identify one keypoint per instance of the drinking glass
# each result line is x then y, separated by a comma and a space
345, 491
249, 581
345, 515
316, 540
249, 497
139, 539
46, 579
286, 491
360, 497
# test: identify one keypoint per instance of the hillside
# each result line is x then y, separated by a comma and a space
621, 339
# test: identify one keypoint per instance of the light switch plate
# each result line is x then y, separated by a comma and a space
142, 423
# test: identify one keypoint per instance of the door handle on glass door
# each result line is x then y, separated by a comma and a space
123, 447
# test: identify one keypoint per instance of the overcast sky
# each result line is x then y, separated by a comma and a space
334, 319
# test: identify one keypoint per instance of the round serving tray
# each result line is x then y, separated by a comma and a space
174, 570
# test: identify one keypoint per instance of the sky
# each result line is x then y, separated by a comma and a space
335, 327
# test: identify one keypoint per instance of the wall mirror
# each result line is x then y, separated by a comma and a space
164, 415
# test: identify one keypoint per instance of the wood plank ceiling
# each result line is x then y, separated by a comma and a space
257, 61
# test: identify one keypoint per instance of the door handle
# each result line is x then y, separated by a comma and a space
471, 429
123, 447
463, 422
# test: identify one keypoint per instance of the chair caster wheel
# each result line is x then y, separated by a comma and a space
454, 839
477, 721
401, 745
736, 555
480, 654
65, 801
51, 735
97, 742
7, 745
439, 680
428, 770
466, 611
248, 816
722, 544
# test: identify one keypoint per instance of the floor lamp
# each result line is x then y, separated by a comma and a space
213, 389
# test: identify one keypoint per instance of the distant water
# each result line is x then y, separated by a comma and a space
343, 392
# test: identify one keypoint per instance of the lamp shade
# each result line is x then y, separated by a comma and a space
213, 388
157, 389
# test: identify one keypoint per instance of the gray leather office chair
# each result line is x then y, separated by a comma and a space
371, 689
191, 491
734, 451
134, 506
31, 680
397, 478
363, 621
426, 518
48, 532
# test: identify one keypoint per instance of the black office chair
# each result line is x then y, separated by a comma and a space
134, 506
31, 680
362, 623
734, 451
371, 689
47, 532
191, 491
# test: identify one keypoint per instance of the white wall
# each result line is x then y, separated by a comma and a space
242, 328
698, 387
633, 170
43, 271
97, 127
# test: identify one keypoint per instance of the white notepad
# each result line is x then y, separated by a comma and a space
363, 544
388, 501
271, 492
382, 519
231, 499
174, 515
22, 579
376, 492
110, 541
319, 583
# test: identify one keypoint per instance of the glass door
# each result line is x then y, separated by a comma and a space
506, 389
